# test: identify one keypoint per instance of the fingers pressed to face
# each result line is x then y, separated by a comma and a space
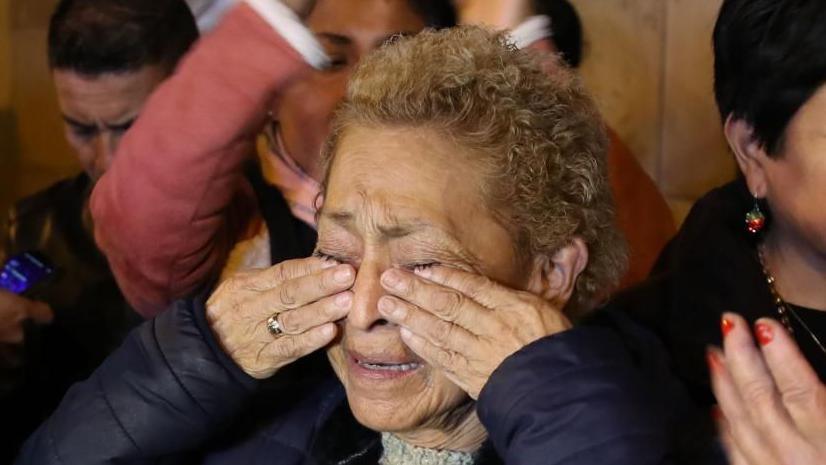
297, 292
327, 310
479, 288
451, 362
800, 388
289, 348
441, 333
449, 305
262, 280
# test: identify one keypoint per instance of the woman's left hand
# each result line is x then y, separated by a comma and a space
465, 324
773, 403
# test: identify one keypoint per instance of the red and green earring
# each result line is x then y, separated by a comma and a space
755, 219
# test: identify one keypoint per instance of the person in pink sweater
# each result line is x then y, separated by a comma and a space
177, 206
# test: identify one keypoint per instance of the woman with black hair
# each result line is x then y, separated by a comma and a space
757, 246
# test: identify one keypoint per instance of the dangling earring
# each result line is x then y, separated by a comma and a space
755, 219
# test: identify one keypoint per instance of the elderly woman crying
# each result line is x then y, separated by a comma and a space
466, 229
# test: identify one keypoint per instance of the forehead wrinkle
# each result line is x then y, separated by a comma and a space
393, 227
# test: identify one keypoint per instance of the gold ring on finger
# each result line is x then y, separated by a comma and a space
274, 327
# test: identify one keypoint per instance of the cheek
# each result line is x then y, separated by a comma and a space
796, 192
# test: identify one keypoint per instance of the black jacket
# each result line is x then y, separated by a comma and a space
596, 394
709, 268
91, 315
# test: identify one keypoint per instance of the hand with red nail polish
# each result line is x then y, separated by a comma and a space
772, 402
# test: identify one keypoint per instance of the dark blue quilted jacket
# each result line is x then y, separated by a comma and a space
597, 394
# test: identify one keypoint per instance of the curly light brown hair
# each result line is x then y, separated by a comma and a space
535, 133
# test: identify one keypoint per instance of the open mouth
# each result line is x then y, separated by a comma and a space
383, 366
397, 367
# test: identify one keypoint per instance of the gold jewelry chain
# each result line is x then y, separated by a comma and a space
783, 309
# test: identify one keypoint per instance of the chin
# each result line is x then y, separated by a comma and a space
404, 397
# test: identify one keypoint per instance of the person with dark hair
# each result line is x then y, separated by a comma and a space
186, 238
195, 213
106, 58
465, 231
756, 247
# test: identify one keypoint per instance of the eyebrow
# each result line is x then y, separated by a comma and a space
112, 127
398, 229
339, 39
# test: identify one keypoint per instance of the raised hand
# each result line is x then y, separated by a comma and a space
14, 311
773, 404
305, 297
465, 324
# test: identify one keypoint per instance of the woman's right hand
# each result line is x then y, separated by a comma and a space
308, 296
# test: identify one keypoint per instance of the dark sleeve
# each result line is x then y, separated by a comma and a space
164, 392
573, 398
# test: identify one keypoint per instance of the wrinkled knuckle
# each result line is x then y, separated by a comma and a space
289, 323
441, 334
445, 359
449, 303
799, 396
286, 295
758, 393
281, 272
287, 348
328, 281
476, 289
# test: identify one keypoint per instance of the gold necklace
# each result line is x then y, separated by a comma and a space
783, 309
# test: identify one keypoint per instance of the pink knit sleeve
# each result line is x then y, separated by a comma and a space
162, 210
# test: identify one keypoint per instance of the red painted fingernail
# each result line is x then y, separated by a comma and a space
726, 326
714, 362
764, 333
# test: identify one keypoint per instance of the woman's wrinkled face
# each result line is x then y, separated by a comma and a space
403, 198
796, 180
348, 30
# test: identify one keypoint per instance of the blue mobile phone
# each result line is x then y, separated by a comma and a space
22, 272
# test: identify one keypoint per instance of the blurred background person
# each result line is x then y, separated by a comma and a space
756, 246
490, 227
106, 58
172, 227
197, 210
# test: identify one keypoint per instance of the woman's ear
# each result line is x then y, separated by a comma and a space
750, 155
554, 277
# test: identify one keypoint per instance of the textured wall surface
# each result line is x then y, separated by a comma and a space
39, 154
7, 150
649, 65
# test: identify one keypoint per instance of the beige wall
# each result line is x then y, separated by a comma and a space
649, 65
6, 147
39, 154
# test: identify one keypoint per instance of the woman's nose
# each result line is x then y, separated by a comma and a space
367, 290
